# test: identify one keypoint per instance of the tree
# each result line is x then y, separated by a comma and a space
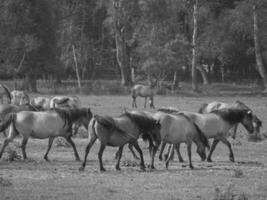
259, 60
194, 47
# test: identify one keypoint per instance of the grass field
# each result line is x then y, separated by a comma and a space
35, 178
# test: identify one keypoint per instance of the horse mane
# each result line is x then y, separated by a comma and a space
28, 106
169, 110
232, 116
242, 105
202, 107
145, 123
108, 123
72, 115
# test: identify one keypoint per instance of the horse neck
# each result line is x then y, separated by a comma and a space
234, 117
77, 114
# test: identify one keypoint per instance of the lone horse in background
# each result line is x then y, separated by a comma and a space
146, 91
16, 97
35, 124
118, 131
215, 105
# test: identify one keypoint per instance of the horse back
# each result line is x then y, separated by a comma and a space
39, 124
142, 91
209, 123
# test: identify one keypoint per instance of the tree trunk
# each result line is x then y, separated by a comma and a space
76, 68
194, 53
259, 60
203, 74
121, 52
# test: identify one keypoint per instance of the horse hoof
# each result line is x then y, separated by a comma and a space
78, 159
118, 168
102, 169
191, 167
143, 168
232, 159
81, 169
46, 159
209, 160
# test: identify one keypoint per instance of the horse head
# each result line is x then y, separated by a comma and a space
247, 120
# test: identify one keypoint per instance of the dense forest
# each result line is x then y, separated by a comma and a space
198, 40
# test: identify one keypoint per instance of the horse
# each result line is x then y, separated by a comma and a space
42, 103
176, 129
43, 125
146, 91
16, 97
218, 123
65, 101
118, 131
215, 105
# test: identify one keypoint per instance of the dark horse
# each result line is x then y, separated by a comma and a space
118, 131
43, 125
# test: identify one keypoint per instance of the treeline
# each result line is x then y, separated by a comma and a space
110, 39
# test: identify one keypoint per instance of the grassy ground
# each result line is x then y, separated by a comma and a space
60, 179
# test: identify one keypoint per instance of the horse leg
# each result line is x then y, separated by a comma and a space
23, 147
50, 142
145, 102
154, 148
6, 142
163, 144
189, 144
168, 152
119, 157
130, 146
100, 153
133, 101
152, 102
169, 156
234, 131
228, 144
77, 157
177, 147
137, 147
12, 135
214, 144
87, 149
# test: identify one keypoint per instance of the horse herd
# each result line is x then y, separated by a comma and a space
43, 117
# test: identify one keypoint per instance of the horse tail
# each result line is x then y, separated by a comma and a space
202, 136
8, 94
7, 121
202, 108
